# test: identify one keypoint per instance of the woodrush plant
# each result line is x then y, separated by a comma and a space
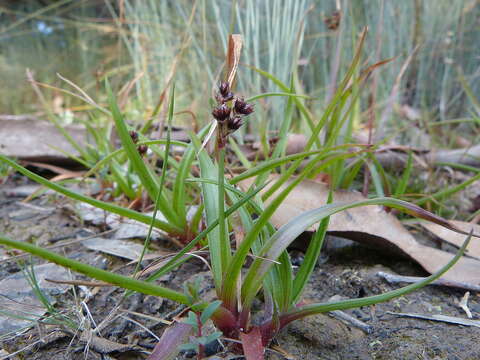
256, 263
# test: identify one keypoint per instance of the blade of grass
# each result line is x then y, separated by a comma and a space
208, 170
171, 107
118, 152
448, 191
403, 183
290, 231
311, 257
264, 95
144, 172
169, 228
99, 274
313, 309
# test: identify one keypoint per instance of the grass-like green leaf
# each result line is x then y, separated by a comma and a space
312, 309
99, 274
209, 171
311, 257
146, 175
180, 256
171, 107
131, 214
290, 231
403, 183
264, 95
121, 151
449, 191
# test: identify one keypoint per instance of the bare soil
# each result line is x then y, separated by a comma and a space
348, 271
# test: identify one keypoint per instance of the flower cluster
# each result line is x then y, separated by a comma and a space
230, 115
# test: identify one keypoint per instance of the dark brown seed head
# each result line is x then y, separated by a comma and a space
235, 123
333, 21
221, 112
224, 93
224, 88
134, 136
142, 149
242, 107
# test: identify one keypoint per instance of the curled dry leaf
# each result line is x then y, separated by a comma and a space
373, 226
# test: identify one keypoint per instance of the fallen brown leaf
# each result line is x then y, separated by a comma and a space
454, 238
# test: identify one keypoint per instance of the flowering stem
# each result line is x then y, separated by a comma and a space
224, 240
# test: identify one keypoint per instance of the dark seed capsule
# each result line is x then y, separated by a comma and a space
221, 112
142, 149
235, 123
224, 88
134, 136
242, 107
333, 21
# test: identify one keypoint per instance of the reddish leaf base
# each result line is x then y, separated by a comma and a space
253, 348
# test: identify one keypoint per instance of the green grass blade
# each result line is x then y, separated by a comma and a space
264, 95
144, 172
180, 256
179, 192
449, 191
169, 228
301, 107
209, 171
313, 309
120, 180
225, 249
350, 173
377, 181
273, 163
311, 257
290, 231
462, 167
239, 153
171, 107
403, 183
121, 151
95, 273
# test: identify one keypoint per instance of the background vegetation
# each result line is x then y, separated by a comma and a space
151, 40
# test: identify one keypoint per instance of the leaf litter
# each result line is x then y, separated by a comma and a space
454, 238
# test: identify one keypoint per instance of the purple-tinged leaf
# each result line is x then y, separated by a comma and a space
169, 345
